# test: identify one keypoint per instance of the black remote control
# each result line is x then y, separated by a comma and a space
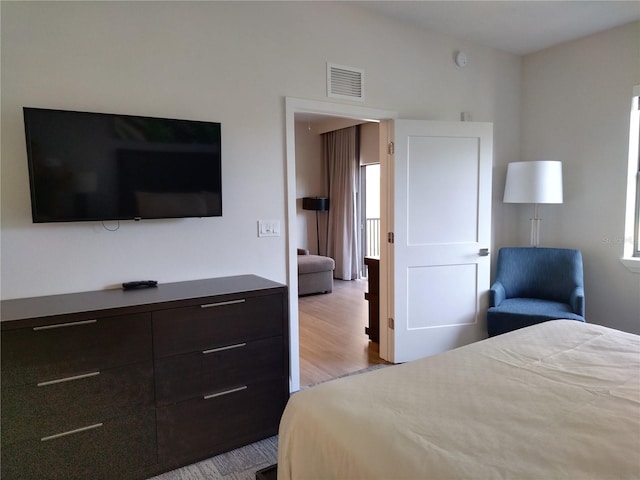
139, 284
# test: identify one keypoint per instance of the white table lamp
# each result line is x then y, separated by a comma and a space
534, 182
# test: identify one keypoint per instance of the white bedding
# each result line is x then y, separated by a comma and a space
557, 400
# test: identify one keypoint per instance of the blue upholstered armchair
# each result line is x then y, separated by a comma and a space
534, 285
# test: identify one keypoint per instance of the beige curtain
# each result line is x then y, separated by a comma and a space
340, 153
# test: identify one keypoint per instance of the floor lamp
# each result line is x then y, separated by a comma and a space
318, 204
534, 182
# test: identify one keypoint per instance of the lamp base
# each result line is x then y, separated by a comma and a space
317, 233
534, 239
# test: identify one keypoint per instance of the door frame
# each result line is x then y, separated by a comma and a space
292, 106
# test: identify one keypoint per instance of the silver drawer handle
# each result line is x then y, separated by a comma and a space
62, 325
70, 432
219, 304
221, 349
226, 392
68, 379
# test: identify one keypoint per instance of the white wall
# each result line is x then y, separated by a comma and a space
369, 143
576, 105
310, 182
229, 62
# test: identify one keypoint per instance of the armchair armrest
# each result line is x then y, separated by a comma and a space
577, 301
496, 294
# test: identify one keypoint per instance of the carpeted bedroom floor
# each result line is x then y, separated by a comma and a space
239, 464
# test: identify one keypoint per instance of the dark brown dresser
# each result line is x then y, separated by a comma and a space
128, 384
373, 297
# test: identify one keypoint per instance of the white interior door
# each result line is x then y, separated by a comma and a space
440, 215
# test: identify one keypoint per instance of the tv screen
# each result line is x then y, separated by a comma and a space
97, 166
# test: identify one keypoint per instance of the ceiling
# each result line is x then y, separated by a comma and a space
519, 27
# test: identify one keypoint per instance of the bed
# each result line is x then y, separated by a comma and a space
560, 399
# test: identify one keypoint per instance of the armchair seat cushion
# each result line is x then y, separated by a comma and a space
514, 313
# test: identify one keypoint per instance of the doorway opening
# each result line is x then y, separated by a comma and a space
297, 108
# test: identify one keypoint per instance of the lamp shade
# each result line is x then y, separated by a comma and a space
319, 204
534, 182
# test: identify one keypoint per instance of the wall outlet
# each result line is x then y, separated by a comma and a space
268, 228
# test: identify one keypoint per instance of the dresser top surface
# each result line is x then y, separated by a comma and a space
71, 303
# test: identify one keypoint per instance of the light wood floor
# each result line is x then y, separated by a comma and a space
332, 338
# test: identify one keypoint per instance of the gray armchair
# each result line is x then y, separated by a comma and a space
533, 285
315, 273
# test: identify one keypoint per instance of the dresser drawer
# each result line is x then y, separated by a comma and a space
216, 324
103, 450
203, 427
39, 354
191, 375
35, 411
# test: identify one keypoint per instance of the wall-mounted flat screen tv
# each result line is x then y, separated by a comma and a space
97, 166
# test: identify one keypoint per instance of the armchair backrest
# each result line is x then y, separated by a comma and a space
545, 273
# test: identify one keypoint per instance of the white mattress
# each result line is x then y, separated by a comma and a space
557, 400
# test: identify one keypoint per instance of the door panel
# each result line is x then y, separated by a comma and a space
437, 279
451, 185
429, 303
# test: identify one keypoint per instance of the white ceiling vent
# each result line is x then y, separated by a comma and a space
345, 82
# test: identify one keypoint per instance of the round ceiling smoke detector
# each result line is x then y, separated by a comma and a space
461, 59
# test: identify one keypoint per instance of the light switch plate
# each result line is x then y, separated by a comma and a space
268, 228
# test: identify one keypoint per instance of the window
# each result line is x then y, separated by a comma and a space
636, 241
631, 257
